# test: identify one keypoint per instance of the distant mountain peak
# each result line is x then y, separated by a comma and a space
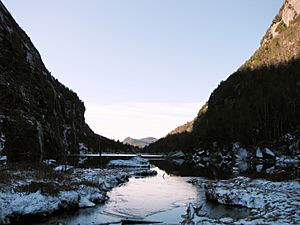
141, 143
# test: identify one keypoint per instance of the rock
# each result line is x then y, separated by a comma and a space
259, 167
64, 168
85, 203
270, 170
50, 162
136, 161
242, 154
269, 153
258, 153
190, 211
242, 166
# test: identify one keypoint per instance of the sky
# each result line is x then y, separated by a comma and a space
143, 67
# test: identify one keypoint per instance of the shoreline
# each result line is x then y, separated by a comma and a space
36, 195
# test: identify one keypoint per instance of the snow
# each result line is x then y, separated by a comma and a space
284, 161
258, 153
3, 158
190, 211
242, 154
89, 196
270, 202
63, 168
88, 187
136, 161
269, 152
50, 162
85, 203
33, 203
259, 167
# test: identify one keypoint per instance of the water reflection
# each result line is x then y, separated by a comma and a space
143, 197
211, 170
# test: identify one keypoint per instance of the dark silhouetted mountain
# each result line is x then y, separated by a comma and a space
257, 104
39, 116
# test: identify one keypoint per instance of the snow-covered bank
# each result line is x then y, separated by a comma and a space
40, 192
269, 202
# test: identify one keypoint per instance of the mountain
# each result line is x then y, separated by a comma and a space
257, 104
141, 143
39, 116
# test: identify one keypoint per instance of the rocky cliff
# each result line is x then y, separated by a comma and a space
281, 41
39, 116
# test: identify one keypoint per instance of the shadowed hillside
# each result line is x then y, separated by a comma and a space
257, 104
39, 116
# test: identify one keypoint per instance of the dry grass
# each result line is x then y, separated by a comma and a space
31, 177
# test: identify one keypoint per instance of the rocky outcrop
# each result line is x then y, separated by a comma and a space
279, 45
39, 116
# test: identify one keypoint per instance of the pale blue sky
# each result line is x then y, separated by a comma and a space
162, 55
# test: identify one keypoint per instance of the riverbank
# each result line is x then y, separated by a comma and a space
33, 192
269, 202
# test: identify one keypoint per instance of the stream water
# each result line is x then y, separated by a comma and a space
162, 198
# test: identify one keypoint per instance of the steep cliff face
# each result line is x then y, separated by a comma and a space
280, 43
260, 102
39, 117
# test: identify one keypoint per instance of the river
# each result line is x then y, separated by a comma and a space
162, 198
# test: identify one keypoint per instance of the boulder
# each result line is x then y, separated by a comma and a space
258, 153
136, 161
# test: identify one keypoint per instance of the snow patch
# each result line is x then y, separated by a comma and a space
269, 152
259, 153
20, 204
136, 161
270, 202
89, 196
63, 168
50, 162
284, 161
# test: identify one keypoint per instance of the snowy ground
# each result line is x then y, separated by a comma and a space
269, 202
38, 191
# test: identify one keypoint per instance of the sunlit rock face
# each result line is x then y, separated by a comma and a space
39, 117
290, 11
